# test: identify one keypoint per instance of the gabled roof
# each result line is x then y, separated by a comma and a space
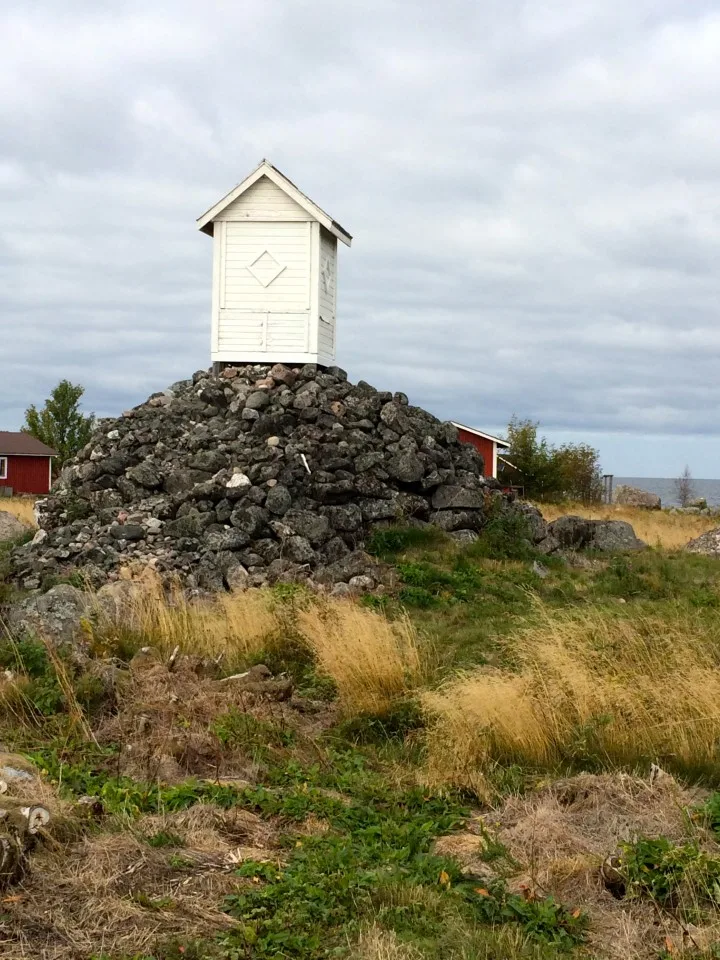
266, 169
485, 436
23, 445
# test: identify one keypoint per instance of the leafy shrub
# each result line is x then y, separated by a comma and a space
658, 869
505, 536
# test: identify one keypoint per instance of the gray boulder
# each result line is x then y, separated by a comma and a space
55, 615
628, 496
11, 528
615, 536
453, 497
707, 544
607, 536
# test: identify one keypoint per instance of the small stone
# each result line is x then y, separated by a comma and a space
278, 500
273, 441
257, 400
464, 537
249, 414
283, 374
128, 531
237, 481
361, 584
113, 435
341, 590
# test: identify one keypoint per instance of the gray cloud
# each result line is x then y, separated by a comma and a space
534, 188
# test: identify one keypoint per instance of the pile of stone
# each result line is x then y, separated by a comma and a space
628, 496
256, 475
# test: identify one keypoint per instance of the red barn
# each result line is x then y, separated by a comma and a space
485, 444
25, 464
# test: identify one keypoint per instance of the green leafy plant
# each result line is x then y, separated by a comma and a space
657, 869
60, 423
241, 730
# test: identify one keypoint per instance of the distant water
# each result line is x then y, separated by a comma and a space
665, 488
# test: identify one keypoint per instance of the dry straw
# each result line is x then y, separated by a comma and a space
233, 626
590, 686
372, 661
21, 507
669, 531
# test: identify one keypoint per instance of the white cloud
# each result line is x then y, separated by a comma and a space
534, 188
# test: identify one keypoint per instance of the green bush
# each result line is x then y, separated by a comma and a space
657, 869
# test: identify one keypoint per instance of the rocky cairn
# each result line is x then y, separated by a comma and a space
258, 475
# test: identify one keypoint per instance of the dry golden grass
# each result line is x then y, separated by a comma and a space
590, 684
231, 626
21, 507
671, 531
371, 660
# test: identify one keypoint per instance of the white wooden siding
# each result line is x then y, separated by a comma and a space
327, 299
328, 266
242, 332
286, 243
264, 201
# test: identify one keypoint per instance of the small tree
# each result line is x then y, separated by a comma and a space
60, 423
684, 488
569, 472
580, 472
532, 456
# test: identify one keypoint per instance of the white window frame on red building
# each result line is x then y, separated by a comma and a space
3, 468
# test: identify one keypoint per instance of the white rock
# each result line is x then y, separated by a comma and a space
39, 537
113, 435
273, 441
238, 480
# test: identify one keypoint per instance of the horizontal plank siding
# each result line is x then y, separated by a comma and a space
264, 201
279, 245
27, 475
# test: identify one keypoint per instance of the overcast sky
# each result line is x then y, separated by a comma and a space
533, 188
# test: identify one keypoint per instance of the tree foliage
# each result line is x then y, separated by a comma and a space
569, 472
60, 423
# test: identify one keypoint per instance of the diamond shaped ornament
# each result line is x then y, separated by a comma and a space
265, 268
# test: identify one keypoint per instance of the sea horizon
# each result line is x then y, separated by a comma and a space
664, 487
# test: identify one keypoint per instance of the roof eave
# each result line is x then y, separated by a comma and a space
266, 169
480, 433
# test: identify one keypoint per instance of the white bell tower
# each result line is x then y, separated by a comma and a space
274, 290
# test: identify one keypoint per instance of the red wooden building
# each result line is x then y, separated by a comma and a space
25, 464
485, 444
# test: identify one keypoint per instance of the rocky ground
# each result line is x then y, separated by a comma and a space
268, 474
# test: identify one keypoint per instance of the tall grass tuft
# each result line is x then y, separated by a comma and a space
591, 688
372, 661
231, 626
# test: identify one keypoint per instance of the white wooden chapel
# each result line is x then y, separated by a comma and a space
274, 290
